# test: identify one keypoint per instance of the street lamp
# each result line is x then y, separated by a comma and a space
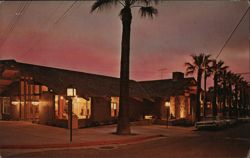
71, 92
167, 105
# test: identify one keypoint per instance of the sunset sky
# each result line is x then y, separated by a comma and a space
45, 33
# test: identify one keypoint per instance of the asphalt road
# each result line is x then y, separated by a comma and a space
233, 142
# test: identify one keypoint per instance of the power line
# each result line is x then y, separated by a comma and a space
231, 34
54, 24
19, 13
65, 13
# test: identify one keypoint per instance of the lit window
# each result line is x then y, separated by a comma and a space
56, 105
6, 105
114, 106
36, 89
82, 107
44, 89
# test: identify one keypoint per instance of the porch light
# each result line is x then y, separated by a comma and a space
35, 103
71, 92
15, 102
115, 106
167, 104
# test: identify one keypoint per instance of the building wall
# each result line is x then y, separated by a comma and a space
137, 109
180, 107
46, 108
100, 109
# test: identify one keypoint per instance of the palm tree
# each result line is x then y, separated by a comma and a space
237, 80
207, 73
145, 9
229, 76
224, 80
217, 68
197, 65
243, 97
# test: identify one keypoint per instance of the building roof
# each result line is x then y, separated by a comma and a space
86, 84
169, 87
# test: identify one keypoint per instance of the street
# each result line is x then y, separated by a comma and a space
232, 142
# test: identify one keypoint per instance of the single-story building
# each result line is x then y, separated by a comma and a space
38, 93
179, 93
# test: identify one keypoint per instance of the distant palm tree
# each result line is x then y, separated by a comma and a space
243, 97
197, 66
225, 80
229, 77
207, 73
217, 68
145, 9
237, 79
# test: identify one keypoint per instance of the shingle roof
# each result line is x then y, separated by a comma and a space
168, 87
86, 84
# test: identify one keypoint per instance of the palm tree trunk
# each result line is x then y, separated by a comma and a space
224, 97
205, 94
230, 100
123, 126
215, 96
236, 100
198, 104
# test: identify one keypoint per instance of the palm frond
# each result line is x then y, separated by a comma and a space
148, 11
189, 73
101, 4
144, 2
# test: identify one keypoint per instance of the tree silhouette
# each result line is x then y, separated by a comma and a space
197, 66
145, 9
218, 68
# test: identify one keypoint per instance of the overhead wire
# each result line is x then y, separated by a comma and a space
231, 34
59, 19
12, 25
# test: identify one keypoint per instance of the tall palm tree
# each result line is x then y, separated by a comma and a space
197, 66
230, 78
244, 97
225, 81
145, 9
237, 80
217, 68
207, 73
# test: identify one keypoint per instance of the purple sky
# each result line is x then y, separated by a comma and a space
91, 42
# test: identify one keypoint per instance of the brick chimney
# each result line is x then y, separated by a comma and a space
177, 76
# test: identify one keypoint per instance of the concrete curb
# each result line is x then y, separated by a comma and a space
84, 144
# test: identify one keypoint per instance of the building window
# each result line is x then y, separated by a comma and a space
44, 89
61, 109
56, 105
114, 106
6, 105
82, 107
36, 89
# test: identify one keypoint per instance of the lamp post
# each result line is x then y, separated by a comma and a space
167, 105
71, 92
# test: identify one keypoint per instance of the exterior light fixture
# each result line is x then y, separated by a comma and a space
167, 105
115, 106
15, 102
71, 91
35, 103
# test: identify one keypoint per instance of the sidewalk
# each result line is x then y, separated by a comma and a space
25, 135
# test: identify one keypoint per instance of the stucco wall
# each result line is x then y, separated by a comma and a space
46, 108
